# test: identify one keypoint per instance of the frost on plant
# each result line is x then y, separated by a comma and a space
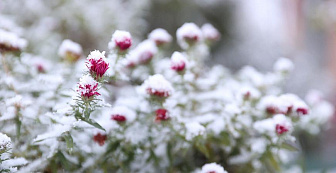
141, 108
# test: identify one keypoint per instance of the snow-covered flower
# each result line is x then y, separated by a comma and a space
210, 33
283, 65
188, 35
275, 105
279, 124
178, 62
160, 37
162, 115
5, 143
87, 87
157, 85
11, 42
121, 40
70, 51
122, 114
296, 105
212, 168
100, 138
282, 124
194, 129
97, 64
145, 51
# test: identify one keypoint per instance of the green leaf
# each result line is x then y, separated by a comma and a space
273, 162
69, 142
95, 124
289, 146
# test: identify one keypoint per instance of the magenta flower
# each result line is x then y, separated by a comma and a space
97, 64
87, 87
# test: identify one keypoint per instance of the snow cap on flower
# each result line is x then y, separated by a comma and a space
100, 138
162, 115
188, 34
121, 40
97, 64
145, 51
282, 124
157, 85
194, 129
11, 42
210, 33
275, 105
122, 114
160, 36
178, 62
279, 124
70, 51
87, 87
212, 168
283, 65
297, 105
5, 142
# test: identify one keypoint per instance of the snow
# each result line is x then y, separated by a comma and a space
69, 46
213, 168
124, 111
97, 55
194, 129
283, 65
210, 32
12, 40
188, 30
160, 35
158, 83
177, 59
5, 142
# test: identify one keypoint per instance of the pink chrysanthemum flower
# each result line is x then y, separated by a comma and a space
210, 33
178, 62
121, 40
188, 35
162, 115
145, 51
122, 114
87, 87
97, 64
100, 138
160, 36
157, 85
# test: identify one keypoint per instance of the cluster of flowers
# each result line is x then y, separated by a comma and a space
135, 110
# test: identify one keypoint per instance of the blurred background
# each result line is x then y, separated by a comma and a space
254, 33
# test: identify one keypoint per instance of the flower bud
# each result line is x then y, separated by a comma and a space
97, 64
100, 138
162, 115
122, 114
283, 66
212, 168
210, 33
145, 51
158, 86
87, 88
160, 36
121, 41
10, 42
188, 35
178, 62
70, 51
